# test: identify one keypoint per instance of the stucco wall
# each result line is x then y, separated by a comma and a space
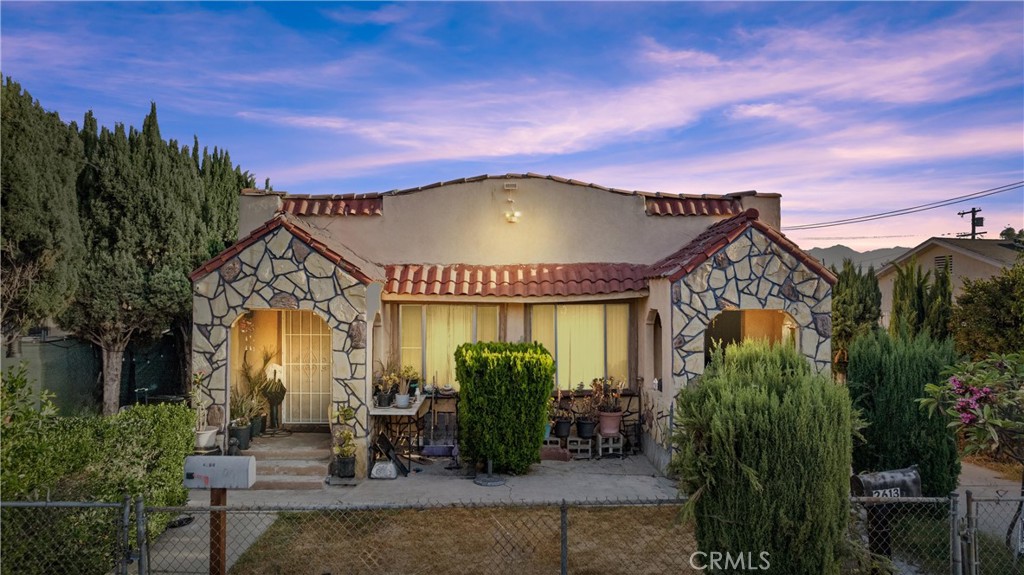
964, 266
281, 272
465, 223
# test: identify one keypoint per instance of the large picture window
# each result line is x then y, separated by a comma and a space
429, 334
586, 340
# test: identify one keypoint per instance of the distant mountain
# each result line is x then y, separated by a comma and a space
835, 255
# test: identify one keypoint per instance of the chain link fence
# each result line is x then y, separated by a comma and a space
907, 536
464, 538
56, 538
993, 536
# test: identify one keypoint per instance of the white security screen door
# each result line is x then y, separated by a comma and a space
306, 354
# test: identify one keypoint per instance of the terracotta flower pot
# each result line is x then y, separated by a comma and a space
611, 422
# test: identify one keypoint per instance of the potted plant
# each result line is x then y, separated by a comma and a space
206, 435
563, 417
402, 389
412, 377
586, 417
343, 443
385, 389
239, 429
606, 394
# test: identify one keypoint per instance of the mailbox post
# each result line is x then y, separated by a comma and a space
887, 485
218, 473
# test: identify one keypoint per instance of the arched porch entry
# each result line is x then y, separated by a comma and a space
293, 345
734, 326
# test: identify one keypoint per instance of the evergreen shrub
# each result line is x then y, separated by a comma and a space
503, 397
140, 451
886, 376
764, 452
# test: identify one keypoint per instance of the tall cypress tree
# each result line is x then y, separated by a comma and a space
139, 199
856, 304
886, 376
41, 239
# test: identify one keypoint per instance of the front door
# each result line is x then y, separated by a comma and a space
306, 356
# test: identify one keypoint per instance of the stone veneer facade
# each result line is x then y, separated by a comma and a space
752, 272
279, 271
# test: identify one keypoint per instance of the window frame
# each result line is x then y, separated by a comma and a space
400, 330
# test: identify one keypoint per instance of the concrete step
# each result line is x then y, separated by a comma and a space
291, 467
290, 482
290, 454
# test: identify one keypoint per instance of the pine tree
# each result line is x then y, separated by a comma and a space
41, 239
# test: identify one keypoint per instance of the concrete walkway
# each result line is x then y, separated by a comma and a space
431, 481
993, 516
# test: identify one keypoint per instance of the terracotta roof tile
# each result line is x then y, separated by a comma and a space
337, 205
721, 234
528, 280
692, 206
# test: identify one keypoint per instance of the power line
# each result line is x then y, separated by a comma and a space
911, 210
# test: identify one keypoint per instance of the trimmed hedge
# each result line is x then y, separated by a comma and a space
886, 376
503, 396
764, 452
140, 451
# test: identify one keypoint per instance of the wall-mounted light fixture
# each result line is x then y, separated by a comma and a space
511, 213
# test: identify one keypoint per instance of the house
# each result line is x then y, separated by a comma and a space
626, 284
964, 258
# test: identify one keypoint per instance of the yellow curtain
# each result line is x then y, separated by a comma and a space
448, 326
542, 326
580, 339
617, 342
487, 323
411, 353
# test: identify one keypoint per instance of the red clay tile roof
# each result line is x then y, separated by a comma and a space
351, 263
337, 205
515, 280
371, 204
692, 206
721, 234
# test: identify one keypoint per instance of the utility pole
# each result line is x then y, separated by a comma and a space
976, 223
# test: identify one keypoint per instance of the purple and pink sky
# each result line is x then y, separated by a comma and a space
846, 109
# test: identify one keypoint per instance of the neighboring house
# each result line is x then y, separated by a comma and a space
626, 284
963, 258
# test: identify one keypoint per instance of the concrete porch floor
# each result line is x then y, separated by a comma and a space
431, 481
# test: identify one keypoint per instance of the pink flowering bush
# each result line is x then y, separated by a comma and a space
984, 402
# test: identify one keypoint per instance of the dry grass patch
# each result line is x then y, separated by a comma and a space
606, 540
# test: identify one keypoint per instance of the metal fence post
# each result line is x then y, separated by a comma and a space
140, 535
972, 544
955, 562
565, 537
122, 536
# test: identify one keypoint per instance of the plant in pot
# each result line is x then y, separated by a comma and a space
343, 443
266, 391
385, 389
586, 416
412, 377
206, 435
239, 429
563, 416
606, 394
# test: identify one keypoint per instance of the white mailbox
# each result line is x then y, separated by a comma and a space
220, 471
